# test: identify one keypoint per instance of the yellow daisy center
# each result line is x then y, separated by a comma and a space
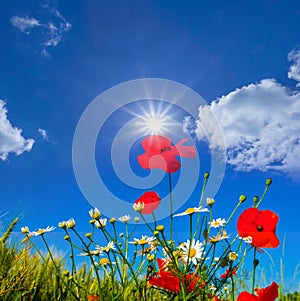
104, 261
190, 211
142, 241
192, 252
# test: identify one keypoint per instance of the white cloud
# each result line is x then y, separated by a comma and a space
11, 139
52, 32
43, 133
260, 124
24, 24
294, 72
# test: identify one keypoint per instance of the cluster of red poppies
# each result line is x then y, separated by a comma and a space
259, 225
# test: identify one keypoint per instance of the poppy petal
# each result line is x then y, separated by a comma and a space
268, 219
185, 151
155, 143
245, 296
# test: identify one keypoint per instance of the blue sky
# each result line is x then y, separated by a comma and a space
242, 57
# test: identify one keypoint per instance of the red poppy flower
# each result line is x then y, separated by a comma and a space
159, 153
270, 293
229, 273
167, 280
151, 201
93, 298
260, 225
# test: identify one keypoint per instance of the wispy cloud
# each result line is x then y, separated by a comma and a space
11, 139
43, 133
52, 32
260, 124
24, 24
294, 72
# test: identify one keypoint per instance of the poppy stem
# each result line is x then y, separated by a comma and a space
154, 219
171, 205
262, 197
254, 268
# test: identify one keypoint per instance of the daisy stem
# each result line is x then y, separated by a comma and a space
72, 253
262, 197
254, 268
200, 204
171, 205
92, 261
202, 191
232, 287
190, 244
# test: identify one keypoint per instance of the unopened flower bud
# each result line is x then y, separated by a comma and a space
232, 256
67, 237
112, 220
255, 262
255, 199
88, 235
268, 181
242, 198
210, 202
136, 219
150, 257
160, 228
206, 175
156, 233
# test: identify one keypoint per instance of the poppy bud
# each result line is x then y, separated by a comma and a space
255, 263
150, 269
268, 181
242, 198
255, 199
205, 233
206, 175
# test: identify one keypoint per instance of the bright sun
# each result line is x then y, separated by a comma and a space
154, 124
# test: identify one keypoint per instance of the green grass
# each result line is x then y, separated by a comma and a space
25, 275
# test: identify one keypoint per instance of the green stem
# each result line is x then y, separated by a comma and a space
154, 219
233, 212
171, 205
92, 261
254, 268
200, 204
262, 197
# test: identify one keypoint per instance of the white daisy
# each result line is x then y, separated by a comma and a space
101, 223
138, 207
247, 239
191, 251
143, 240
93, 253
107, 248
219, 222
25, 230
95, 213
42, 231
190, 211
125, 218
70, 223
